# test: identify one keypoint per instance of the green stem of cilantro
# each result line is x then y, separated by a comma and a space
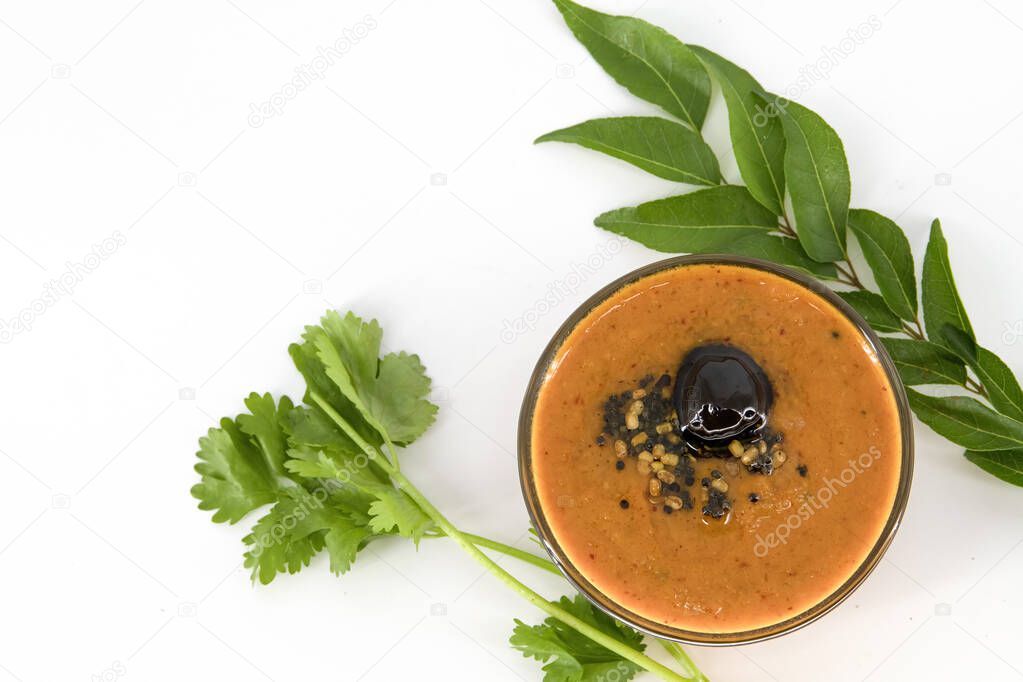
608, 642
515, 552
393, 453
584, 628
679, 654
676, 652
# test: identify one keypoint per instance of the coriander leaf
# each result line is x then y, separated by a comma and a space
540, 643
351, 501
349, 470
923, 362
265, 423
659, 146
240, 462
280, 541
818, 180
394, 509
319, 449
758, 140
586, 649
398, 397
781, 250
887, 252
356, 343
299, 525
1005, 464
348, 349
343, 544
1003, 389
572, 656
306, 358
346, 499
647, 60
704, 221
346, 521
312, 463
940, 298
873, 309
967, 422
389, 393
311, 427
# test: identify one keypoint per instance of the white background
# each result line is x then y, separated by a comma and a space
134, 118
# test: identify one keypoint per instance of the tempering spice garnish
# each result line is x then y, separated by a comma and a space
642, 425
787, 155
326, 475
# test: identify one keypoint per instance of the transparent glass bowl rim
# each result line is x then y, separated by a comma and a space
636, 620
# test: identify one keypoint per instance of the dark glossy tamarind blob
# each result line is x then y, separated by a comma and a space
721, 394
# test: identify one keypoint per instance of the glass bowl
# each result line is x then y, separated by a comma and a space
636, 620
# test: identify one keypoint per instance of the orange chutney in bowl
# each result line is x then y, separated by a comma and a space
787, 540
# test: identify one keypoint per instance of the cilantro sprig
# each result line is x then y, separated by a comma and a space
325, 477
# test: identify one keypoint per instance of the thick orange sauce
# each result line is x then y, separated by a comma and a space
768, 561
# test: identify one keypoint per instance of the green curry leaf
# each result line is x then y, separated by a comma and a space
967, 422
818, 180
886, 250
1005, 464
922, 362
873, 309
1003, 389
664, 148
758, 140
650, 62
704, 221
941, 303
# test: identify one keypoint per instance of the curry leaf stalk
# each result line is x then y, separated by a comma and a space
914, 331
